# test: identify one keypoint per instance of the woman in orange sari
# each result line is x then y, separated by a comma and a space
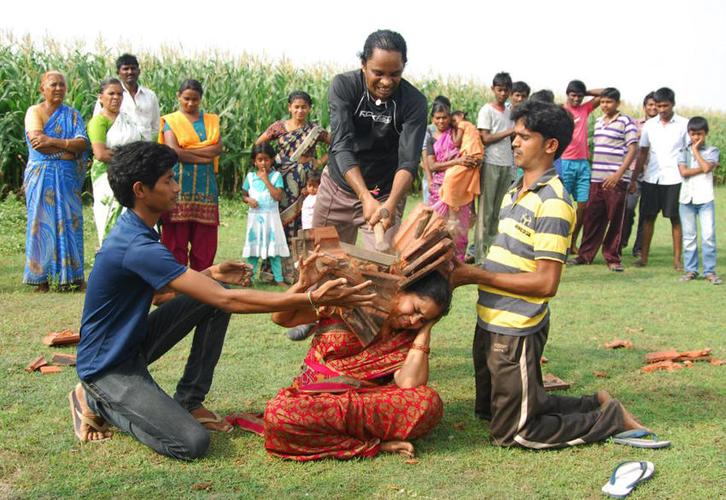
352, 400
190, 230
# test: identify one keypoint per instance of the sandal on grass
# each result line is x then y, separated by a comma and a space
640, 438
213, 422
80, 419
713, 278
626, 476
616, 267
689, 276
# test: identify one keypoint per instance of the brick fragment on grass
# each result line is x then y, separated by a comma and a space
36, 364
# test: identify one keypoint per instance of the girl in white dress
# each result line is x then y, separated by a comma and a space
262, 190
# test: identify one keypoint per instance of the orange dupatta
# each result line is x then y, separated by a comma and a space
187, 137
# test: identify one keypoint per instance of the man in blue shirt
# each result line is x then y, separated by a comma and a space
120, 338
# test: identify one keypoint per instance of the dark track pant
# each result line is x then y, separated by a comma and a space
128, 397
603, 223
522, 413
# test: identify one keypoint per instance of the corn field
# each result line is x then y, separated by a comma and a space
247, 92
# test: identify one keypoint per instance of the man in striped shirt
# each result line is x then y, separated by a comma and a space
520, 274
615, 146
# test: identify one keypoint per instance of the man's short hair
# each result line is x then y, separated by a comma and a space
126, 60
648, 97
664, 94
544, 95
576, 86
502, 79
521, 87
138, 161
547, 119
611, 93
698, 124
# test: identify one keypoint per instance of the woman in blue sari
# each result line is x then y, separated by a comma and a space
57, 144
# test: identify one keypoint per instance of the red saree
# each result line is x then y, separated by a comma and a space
344, 403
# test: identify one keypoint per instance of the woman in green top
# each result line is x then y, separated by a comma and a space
107, 130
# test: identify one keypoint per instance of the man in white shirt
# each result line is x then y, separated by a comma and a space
139, 102
663, 137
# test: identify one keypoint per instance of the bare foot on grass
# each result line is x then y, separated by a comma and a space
403, 448
629, 421
87, 425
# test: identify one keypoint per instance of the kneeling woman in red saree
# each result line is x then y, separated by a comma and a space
355, 401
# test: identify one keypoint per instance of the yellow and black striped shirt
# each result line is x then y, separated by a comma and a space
536, 225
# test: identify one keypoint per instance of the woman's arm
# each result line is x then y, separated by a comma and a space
101, 152
435, 166
302, 316
415, 369
185, 155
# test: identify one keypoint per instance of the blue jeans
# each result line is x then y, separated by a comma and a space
129, 398
704, 212
575, 175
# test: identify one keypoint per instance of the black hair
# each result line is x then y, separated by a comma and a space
664, 94
109, 81
521, 87
576, 86
138, 161
440, 107
502, 79
384, 40
548, 119
544, 95
126, 60
434, 286
698, 124
442, 99
191, 84
460, 113
300, 94
313, 176
611, 93
648, 97
263, 147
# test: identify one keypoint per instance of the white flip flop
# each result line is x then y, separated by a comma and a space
626, 476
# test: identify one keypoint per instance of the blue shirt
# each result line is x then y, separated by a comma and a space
131, 264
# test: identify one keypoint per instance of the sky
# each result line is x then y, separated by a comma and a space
633, 45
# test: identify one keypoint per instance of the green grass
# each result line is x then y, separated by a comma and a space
39, 456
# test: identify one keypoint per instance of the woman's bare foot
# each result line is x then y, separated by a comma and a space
603, 397
92, 427
210, 420
403, 448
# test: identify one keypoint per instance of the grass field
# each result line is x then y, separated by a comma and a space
40, 457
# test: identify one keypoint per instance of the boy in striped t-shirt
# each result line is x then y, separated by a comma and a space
615, 146
520, 274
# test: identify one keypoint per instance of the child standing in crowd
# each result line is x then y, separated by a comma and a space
308, 206
696, 163
262, 191
520, 93
496, 128
615, 146
574, 168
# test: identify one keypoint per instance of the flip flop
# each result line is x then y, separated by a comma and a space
626, 476
79, 419
214, 419
250, 422
640, 438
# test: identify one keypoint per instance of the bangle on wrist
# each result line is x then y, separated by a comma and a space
421, 347
310, 298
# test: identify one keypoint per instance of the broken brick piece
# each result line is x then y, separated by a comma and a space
619, 343
694, 355
36, 364
655, 357
63, 337
64, 359
666, 365
543, 360
600, 374
717, 362
45, 370
554, 383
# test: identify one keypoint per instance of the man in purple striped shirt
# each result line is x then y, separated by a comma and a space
615, 145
